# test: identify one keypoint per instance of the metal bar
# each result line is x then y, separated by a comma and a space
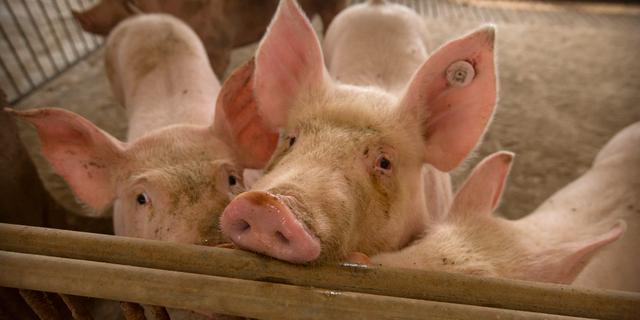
434, 9
77, 28
41, 37
77, 307
46, 81
16, 56
63, 52
34, 56
414, 284
14, 85
65, 28
225, 295
132, 311
40, 304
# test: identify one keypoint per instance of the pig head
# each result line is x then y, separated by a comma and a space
346, 174
221, 24
472, 241
170, 182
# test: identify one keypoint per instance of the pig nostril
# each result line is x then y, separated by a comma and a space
281, 237
242, 225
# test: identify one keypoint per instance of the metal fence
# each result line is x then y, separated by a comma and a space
39, 40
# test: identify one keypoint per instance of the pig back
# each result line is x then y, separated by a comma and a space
375, 44
617, 266
607, 192
159, 71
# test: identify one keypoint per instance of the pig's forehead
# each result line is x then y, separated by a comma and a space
178, 144
357, 125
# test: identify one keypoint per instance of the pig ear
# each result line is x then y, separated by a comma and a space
563, 264
82, 154
289, 63
239, 122
482, 191
454, 95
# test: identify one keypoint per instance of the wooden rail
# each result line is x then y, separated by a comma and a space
241, 283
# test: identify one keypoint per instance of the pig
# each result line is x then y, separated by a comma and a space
221, 24
346, 174
178, 170
574, 237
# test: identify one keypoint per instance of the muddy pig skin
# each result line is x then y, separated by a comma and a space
221, 24
576, 236
347, 173
177, 171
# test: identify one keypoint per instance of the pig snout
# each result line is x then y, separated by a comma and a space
260, 222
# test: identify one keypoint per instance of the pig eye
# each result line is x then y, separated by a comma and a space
383, 163
232, 180
292, 141
142, 199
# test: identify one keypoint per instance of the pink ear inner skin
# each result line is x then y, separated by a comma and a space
240, 122
80, 152
454, 117
289, 63
481, 192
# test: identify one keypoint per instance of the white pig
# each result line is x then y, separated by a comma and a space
346, 175
178, 170
557, 240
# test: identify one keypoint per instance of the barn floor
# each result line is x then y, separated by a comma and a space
569, 80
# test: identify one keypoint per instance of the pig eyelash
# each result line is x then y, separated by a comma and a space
142, 199
292, 141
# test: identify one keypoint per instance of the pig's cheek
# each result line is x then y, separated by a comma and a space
384, 182
119, 223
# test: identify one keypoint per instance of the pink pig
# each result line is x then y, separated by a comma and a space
179, 168
347, 173
570, 238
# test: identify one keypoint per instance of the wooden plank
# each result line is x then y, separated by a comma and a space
245, 298
414, 284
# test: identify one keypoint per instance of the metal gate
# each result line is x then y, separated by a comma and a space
39, 41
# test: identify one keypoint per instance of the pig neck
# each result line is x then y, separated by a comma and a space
180, 92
